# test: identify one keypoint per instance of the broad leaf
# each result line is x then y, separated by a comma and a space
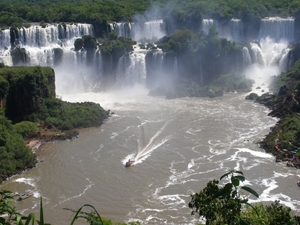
225, 175
240, 172
235, 182
250, 190
241, 178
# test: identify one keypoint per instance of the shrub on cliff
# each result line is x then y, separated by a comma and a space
26, 129
66, 116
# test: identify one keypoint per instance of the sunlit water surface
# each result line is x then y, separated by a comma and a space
179, 145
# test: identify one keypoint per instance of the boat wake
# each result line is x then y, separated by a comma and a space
154, 143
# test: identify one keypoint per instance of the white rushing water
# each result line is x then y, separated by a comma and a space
53, 45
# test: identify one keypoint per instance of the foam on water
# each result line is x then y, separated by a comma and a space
86, 188
255, 153
28, 181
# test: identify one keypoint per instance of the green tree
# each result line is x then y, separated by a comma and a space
222, 205
4, 87
26, 128
274, 214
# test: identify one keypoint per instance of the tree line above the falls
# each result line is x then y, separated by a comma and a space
185, 14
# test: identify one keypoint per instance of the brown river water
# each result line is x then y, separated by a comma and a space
179, 145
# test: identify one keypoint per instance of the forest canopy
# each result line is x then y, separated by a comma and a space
18, 12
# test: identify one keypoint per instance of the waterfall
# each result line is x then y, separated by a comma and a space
158, 64
156, 67
53, 34
257, 54
131, 68
267, 53
207, 24
4, 39
268, 58
39, 41
37, 36
150, 30
53, 45
98, 62
246, 57
41, 57
283, 62
5, 47
236, 30
122, 29
232, 30
136, 72
175, 69
278, 29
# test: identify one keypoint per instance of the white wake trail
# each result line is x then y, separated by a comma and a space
154, 143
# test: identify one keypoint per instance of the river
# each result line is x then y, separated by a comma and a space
179, 145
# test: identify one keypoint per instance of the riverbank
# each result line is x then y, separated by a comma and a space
283, 141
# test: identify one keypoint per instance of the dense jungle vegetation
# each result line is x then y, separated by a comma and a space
14, 13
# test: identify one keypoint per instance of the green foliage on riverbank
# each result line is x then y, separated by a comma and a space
14, 155
32, 111
286, 134
64, 116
